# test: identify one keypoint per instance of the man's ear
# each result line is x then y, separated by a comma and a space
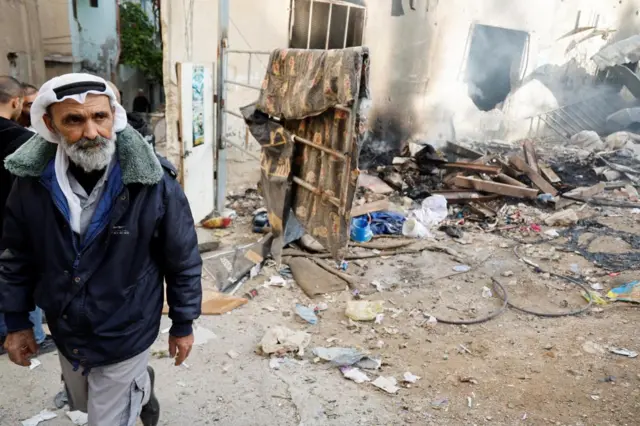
16, 103
48, 122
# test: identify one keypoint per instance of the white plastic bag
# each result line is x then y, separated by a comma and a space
412, 228
432, 212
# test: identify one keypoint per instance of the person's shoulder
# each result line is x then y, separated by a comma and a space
169, 169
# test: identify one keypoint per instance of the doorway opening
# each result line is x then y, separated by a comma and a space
496, 61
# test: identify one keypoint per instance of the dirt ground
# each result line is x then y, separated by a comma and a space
515, 369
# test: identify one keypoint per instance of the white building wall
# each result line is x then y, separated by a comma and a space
416, 59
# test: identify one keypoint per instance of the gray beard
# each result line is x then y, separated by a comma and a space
90, 155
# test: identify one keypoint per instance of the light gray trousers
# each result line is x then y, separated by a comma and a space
112, 395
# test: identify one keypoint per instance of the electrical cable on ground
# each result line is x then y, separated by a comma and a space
491, 316
546, 314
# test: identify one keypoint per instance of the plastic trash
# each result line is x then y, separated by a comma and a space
430, 214
486, 292
78, 417
386, 223
42, 416
387, 384
410, 378
364, 310
545, 198
217, 222
307, 314
339, 356
432, 321
552, 233
412, 228
61, 399
260, 221
369, 363
275, 281
624, 352
433, 211
630, 292
361, 230
596, 298
354, 374
280, 340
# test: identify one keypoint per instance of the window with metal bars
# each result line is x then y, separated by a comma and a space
326, 24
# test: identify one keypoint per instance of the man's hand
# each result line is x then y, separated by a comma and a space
180, 347
21, 346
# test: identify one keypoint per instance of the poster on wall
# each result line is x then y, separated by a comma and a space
197, 106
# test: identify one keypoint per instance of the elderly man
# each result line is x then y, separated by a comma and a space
94, 224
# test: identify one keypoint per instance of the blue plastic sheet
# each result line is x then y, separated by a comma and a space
386, 223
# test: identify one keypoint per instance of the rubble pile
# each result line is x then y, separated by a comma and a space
482, 181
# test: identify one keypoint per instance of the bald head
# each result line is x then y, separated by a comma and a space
11, 95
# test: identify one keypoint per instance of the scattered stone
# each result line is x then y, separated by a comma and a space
462, 268
440, 404
507, 274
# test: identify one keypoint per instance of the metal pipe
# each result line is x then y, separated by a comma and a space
248, 86
309, 26
249, 69
235, 114
292, 19
250, 52
235, 145
346, 28
220, 173
326, 42
333, 200
321, 148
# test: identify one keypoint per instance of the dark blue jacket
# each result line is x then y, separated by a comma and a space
103, 297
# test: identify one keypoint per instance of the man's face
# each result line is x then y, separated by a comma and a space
26, 105
74, 121
86, 130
